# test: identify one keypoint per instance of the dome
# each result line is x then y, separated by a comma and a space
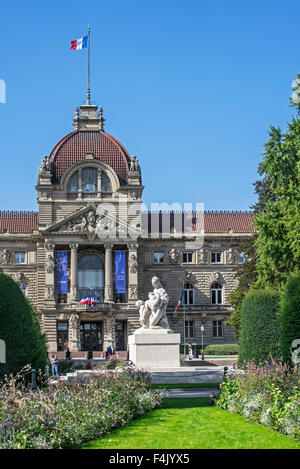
74, 147
88, 137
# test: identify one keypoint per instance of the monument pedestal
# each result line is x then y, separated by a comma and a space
154, 350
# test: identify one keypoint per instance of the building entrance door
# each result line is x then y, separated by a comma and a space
62, 336
91, 336
121, 336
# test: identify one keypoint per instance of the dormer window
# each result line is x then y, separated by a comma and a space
89, 183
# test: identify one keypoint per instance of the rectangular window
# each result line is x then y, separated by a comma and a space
158, 258
189, 329
215, 257
20, 258
217, 328
187, 257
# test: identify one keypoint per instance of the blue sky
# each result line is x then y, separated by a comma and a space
189, 87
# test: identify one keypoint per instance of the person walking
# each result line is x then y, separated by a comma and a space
54, 365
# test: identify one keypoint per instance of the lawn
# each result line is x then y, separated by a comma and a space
186, 386
192, 423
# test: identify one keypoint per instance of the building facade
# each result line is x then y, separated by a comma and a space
65, 256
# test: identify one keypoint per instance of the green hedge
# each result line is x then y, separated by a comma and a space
260, 330
289, 315
215, 349
19, 328
221, 349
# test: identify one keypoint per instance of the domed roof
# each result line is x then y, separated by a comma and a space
74, 147
89, 137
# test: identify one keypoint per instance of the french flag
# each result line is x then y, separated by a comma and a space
80, 43
180, 299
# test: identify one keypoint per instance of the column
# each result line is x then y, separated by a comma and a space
73, 292
108, 291
49, 271
132, 272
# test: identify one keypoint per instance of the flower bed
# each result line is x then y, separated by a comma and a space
268, 394
65, 416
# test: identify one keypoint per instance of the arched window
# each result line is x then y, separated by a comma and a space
216, 294
73, 183
90, 277
105, 183
188, 294
89, 180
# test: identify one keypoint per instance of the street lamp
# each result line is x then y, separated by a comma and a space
202, 331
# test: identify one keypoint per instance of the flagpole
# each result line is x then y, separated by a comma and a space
184, 322
88, 101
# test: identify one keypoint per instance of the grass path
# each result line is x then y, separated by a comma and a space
191, 423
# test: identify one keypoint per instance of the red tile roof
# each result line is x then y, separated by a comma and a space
74, 146
214, 221
18, 222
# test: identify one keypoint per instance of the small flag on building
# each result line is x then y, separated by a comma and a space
180, 299
80, 43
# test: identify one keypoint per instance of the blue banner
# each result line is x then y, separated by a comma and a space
120, 271
62, 272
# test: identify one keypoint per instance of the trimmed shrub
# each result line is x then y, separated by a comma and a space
20, 330
289, 316
221, 349
260, 330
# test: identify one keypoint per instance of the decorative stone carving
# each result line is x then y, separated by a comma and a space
132, 293
19, 277
190, 277
73, 292
5, 256
49, 246
135, 194
49, 292
203, 256
173, 255
50, 264
45, 165
216, 277
231, 256
133, 263
153, 312
134, 165
85, 224
45, 194
74, 325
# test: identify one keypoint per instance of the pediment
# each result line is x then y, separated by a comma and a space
92, 222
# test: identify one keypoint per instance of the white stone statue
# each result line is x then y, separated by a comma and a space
153, 312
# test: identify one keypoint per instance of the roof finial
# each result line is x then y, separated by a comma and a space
101, 118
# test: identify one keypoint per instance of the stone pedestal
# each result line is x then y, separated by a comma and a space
154, 350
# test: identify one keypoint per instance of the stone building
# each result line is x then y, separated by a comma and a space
89, 216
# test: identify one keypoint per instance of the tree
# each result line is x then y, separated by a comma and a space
260, 329
289, 315
278, 208
19, 328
